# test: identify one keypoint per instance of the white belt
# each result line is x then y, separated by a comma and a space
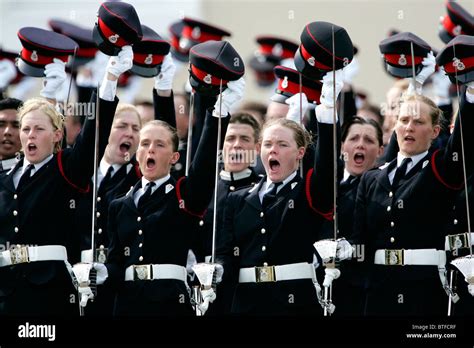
401, 257
265, 274
458, 241
151, 272
22, 254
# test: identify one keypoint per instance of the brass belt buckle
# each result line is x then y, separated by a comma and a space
394, 257
265, 274
19, 254
142, 272
458, 241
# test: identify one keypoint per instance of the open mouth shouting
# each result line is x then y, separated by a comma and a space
409, 139
31, 149
359, 158
125, 147
273, 165
150, 164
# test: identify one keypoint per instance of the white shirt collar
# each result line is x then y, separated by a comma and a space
37, 166
229, 176
157, 182
104, 167
414, 160
286, 181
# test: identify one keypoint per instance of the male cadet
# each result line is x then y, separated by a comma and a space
9, 133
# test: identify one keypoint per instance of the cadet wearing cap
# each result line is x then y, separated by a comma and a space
397, 54
289, 85
271, 51
458, 21
40, 47
315, 55
82, 36
117, 25
148, 54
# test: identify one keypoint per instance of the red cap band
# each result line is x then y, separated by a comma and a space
451, 27
459, 65
294, 88
202, 37
269, 50
148, 59
34, 58
402, 59
207, 78
111, 36
86, 52
308, 57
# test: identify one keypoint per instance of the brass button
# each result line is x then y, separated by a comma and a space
15, 213
263, 231
455, 221
140, 232
101, 246
232, 188
265, 264
139, 219
15, 196
99, 230
201, 223
16, 229
98, 214
390, 194
389, 208
261, 214
264, 248
392, 224
140, 258
392, 239
140, 245
98, 199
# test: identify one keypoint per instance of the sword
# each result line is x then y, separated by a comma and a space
190, 133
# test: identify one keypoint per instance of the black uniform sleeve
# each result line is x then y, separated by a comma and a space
164, 108
201, 104
78, 164
115, 261
196, 189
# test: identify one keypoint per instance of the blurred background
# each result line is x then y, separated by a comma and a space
367, 22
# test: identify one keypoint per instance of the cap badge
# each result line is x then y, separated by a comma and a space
402, 60
196, 33
284, 84
34, 56
457, 30
114, 38
277, 50
458, 64
311, 61
208, 79
149, 59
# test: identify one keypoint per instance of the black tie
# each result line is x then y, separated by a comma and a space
346, 183
400, 172
105, 181
26, 177
270, 196
144, 198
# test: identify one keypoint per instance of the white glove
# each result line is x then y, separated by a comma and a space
164, 80
344, 250
441, 84
55, 76
470, 93
327, 92
102, 273
429, 65
208, 296
233, 94
350, 71
331, 274
7, 73
294, 112
117, 65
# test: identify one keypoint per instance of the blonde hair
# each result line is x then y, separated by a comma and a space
435, 113
129, 107
301, 136
48, 109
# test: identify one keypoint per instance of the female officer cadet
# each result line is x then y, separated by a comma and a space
361, 147
260, 237
151, 227
401, 209
37, 199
